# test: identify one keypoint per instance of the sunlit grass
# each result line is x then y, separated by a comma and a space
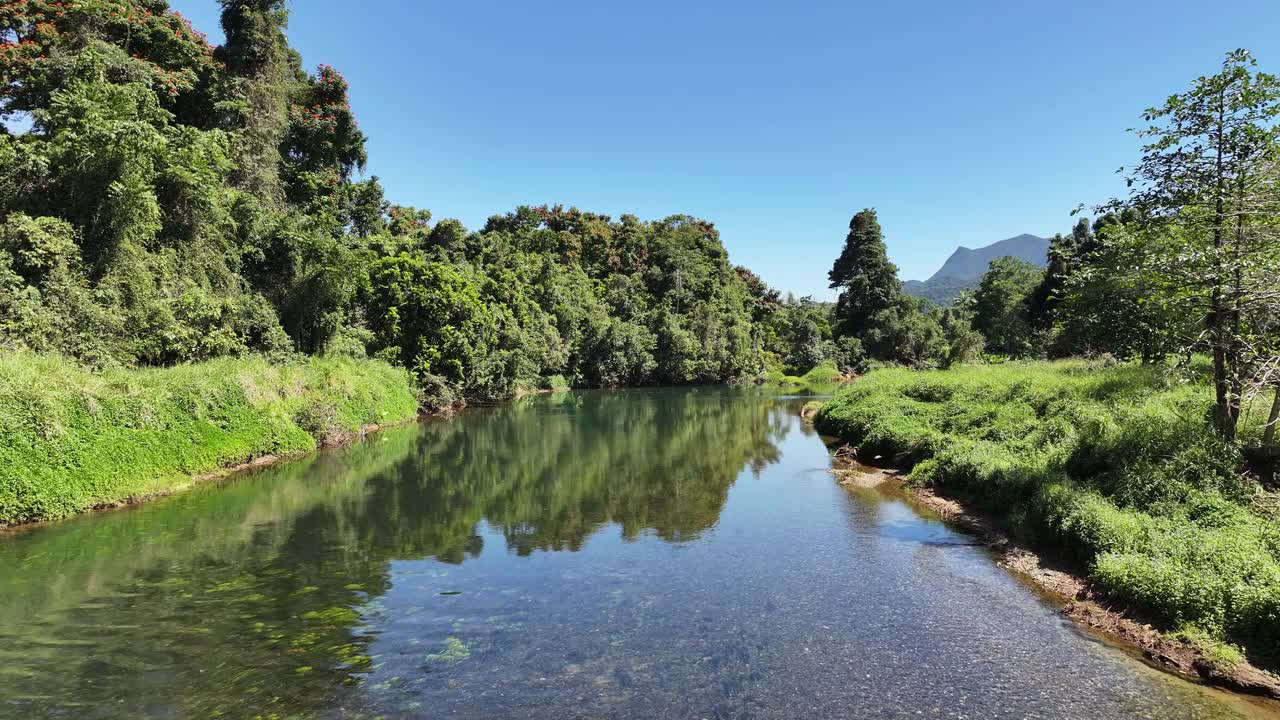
71, 439
1117, 466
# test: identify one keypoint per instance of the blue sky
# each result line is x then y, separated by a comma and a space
962, 123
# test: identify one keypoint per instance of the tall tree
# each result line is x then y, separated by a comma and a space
261, 75
1209, 168
1000, 305
867, 281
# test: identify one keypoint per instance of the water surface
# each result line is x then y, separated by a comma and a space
649, 554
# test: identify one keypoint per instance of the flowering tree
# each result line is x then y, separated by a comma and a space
44, 46
323, 145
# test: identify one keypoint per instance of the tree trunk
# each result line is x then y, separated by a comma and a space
1222, 393
1269, 437
1222, 371
1235, 328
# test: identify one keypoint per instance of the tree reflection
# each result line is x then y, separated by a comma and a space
249, 599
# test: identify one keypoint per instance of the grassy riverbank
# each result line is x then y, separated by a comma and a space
1116, 467
71, 439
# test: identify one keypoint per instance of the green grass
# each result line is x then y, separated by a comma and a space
1115, 466
555, 383
71, 439
824, 374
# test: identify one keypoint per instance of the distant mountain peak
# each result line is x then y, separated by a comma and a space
966, 266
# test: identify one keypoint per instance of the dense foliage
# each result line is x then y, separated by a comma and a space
162, 201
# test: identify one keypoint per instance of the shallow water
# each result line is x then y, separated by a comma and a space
648, 554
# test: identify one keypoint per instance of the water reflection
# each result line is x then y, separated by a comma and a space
660, 554
256, 597
549, 472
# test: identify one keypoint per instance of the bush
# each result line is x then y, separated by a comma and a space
555, 383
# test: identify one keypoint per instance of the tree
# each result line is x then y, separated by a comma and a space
867, 281
1065, 251
908, 333
964, 344
1207, 179
428, 317
1117, 302
872, 307
261, 75
1000, 305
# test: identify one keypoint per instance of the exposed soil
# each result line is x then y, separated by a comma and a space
1064, 585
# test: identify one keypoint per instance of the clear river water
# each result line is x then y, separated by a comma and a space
641, 554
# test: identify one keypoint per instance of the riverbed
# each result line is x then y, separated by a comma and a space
643, 554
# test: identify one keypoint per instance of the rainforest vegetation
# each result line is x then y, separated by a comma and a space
166, 201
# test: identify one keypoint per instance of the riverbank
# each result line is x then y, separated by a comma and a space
1066, 586
72, 440
1113, 469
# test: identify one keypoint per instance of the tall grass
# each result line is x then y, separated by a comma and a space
1116, 466
71, 439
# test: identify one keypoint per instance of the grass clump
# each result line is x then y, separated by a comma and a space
1219, 656
1116, 466
824, 374
555, 383
776, 376
72, 439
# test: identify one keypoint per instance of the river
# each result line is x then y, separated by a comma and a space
641, 554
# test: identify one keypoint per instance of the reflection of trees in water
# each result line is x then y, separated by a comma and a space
228, 599
248, 598
551, 471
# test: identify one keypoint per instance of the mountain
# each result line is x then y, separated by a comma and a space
965, 267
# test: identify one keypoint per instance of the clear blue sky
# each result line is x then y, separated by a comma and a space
962, 123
